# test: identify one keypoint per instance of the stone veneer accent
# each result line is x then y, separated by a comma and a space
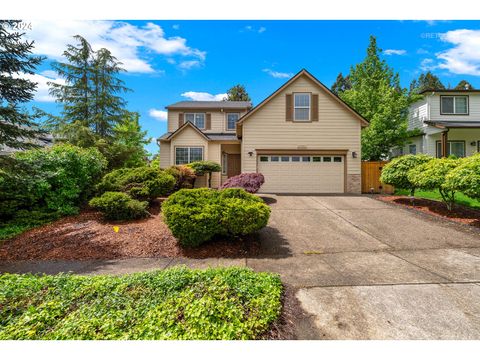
354, 183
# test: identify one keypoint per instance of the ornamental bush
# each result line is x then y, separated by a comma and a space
432, 175
143, 183
56, 179
184, 176
396, 171
466, 177
205, 167
250, 182
196, 216
119, 206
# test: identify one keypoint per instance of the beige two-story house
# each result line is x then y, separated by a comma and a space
302, 138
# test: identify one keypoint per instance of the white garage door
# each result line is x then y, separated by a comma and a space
302, 173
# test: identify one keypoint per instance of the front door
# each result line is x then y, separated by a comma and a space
233, 165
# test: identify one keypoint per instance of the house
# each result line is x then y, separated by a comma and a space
448, 122
302, 138
42, 140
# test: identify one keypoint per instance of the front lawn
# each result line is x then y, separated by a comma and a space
435, 195
178, 303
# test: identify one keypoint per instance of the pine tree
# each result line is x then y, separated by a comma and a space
17, 126
427, 81
464, 85
237, 93
377, 95
341, 84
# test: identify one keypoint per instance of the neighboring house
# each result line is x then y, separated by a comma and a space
448, 121
43, 140
302, 138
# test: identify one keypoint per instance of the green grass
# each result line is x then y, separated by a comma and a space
178, 303
435, 195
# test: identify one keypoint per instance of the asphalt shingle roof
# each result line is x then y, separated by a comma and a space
210, 105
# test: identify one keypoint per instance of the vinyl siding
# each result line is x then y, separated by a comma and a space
474, 108
337, 128
219, 120
418, 112
165, 155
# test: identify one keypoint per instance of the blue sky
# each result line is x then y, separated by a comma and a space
169, 61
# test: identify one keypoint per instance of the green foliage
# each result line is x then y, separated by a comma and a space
25, 220
237, 93
17, 126
341, 84
466, 177
464, 85
205, 167
141, 183
432, 175
178, 303
55, 179
460, 198
396, 171
184, 176
119, 206
376, 94
198, 215
427, 81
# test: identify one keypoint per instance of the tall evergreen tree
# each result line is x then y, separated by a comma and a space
341, 84
427, 81
377, 95
237, 93
464, 85
17, 126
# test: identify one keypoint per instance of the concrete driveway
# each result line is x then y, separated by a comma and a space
364, 269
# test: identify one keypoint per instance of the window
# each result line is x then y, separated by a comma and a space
337, 159
232, 119
412, 149
295, 158
306, 158
454, 105
316, 159
186, 155
274, 158
327, 159
456, 148
264, 158
224, 163
198, 119
285, 158
301, 107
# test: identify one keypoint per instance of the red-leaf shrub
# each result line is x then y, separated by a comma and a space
250, 182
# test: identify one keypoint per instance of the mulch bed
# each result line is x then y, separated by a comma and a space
461, 214
88, 236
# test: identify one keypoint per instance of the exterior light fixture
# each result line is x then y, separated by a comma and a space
354, 154
250, 153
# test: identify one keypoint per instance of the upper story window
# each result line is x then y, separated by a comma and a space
198, 119
454, 105
301, 106
232, 119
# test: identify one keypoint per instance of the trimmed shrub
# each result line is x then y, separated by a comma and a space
466, 177
250, 182
142, 183
197, 215
432, 175
205, 167
184, 176
396, 171
119, 206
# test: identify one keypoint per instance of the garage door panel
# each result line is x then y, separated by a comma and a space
303, 176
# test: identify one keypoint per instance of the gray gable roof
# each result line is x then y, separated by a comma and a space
210, 105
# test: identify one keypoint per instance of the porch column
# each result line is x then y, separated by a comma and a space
444, 143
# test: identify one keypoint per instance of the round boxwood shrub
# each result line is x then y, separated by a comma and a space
119, 206
197, 215
250, 182
142, 183
396, 171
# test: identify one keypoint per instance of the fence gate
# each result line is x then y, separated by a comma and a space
371, 171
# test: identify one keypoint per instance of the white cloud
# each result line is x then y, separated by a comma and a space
158, 114
395, 52
464, 57
262, 29
188, 64
427, 65
277, 75
124, 40
203, 96
250, 28
41, 93
422, 51
176, 27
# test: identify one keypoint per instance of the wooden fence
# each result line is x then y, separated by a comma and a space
371, 171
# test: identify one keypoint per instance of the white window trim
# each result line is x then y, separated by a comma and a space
302, 107
188, 153
224, 163
438, 154
454, 105
226, 120
194, 116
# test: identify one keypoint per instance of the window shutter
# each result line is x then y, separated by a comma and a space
180, 119
314, 108
208, 121
289, 107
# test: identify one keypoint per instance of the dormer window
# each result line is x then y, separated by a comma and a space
198, 119
454, 105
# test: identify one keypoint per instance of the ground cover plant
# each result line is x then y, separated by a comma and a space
250, 182
178, 303
196, 216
